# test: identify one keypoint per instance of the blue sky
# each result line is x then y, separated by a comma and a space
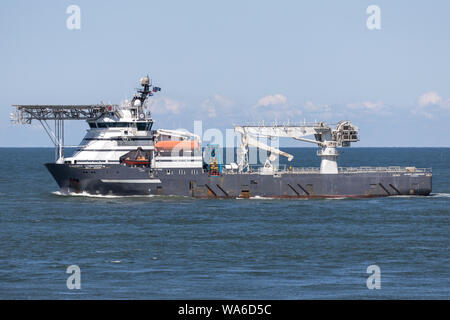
228, 62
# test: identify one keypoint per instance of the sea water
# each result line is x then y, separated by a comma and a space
182, 248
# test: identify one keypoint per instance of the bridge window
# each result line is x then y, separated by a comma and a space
113, 124
143, 126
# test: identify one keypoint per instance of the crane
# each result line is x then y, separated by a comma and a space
326, 138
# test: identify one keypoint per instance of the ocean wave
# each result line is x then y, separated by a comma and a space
108, 196
296, 198
407, 196
260, 198
105, 196
432, 195
273, 198
440, 195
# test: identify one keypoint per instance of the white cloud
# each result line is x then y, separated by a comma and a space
429, 103
319, 111
288, 113
429, 98
273, 107
312, 107
366, 105
172, 105
223, 101
165, 105
209, 105
276, 99
446, 104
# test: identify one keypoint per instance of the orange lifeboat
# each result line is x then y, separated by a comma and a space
138, 161
180, 145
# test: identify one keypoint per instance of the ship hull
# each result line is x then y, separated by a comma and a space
118, 179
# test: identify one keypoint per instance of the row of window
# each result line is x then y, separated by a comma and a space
181, 171
141, 126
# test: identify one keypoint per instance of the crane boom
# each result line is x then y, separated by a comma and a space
258, 144
326, 138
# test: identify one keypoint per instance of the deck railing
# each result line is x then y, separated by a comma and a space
384, 169
349, 170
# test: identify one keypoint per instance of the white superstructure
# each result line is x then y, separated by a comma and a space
128, 127
113, 135
114, 130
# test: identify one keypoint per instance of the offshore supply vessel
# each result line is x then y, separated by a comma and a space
122, 154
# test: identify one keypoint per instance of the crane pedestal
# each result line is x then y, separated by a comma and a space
328, 164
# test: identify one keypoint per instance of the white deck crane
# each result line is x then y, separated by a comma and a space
326, 138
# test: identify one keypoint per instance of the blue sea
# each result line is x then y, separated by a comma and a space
182, 248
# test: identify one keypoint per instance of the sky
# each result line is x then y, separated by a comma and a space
234, 62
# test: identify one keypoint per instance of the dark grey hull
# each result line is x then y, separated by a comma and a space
118, 179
